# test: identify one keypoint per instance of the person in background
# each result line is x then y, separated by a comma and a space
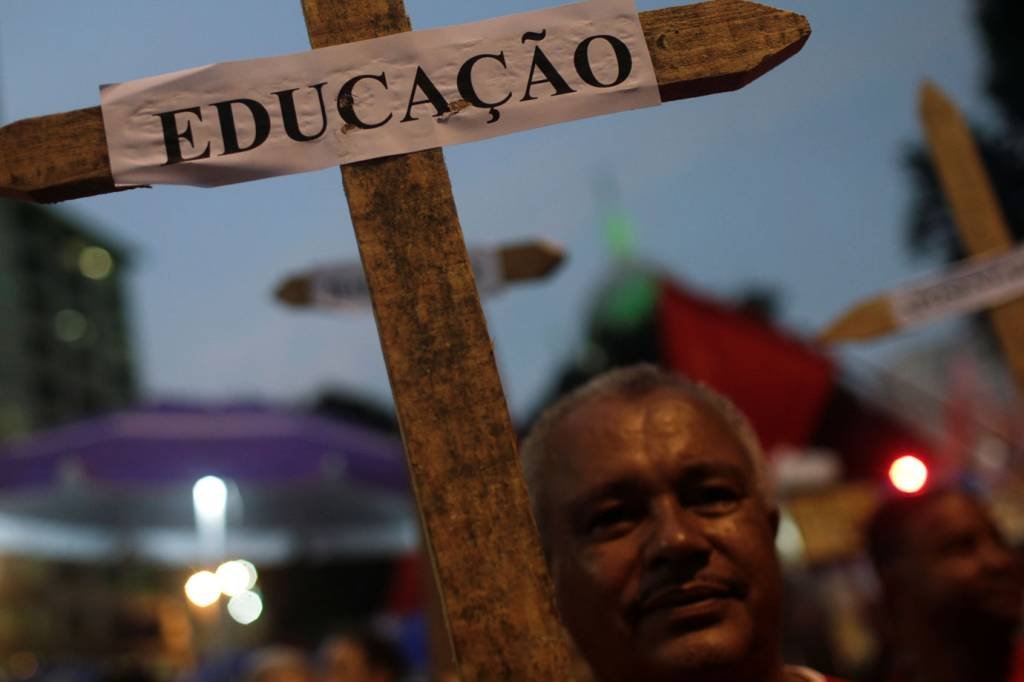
658, 525
952, 591
278, 664
361, 656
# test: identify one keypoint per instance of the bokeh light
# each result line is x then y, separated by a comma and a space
253, 574
95, 262
908, 474
210, 497
202, 589
235, 577
246, 607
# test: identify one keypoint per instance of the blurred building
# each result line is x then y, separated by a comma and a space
65, 350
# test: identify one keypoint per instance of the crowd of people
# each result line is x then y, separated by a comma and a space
658, 522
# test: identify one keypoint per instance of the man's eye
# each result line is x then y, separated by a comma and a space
610, 519
715, 499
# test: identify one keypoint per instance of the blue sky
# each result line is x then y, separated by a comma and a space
794, 182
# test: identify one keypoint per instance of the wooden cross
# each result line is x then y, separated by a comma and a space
976, 212
458, 438
979, 221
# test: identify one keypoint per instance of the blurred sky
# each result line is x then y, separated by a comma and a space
795, 182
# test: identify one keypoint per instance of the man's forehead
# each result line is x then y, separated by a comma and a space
663, 410
665, 420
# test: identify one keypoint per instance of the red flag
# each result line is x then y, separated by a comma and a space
778, 382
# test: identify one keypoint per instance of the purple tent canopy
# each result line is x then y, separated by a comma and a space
180, 443
122, 482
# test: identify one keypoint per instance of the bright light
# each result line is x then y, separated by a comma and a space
246, 607
202, 588
253, 575
210, 497
235, 577
908, 474
789, 541
95, 262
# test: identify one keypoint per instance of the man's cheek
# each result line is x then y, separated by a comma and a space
598, 565
609, 570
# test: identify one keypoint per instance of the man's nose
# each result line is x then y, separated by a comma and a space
675, 536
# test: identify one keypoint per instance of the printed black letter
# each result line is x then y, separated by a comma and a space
260, 119
622, 57
346, 106
291, 119
541, 61
434, 96
468, 91
172, 136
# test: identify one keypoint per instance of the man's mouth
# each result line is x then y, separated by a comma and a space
695, 599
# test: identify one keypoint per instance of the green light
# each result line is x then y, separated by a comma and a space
628, 301
95, 262
619, 233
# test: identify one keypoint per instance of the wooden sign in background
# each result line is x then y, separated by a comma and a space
343, 285
976, 211
969, 286
979, 221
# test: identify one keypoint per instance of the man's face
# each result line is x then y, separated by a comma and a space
958, 565
661, 550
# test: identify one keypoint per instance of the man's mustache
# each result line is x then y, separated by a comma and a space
677, 590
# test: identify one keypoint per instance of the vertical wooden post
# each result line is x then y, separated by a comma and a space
458, 436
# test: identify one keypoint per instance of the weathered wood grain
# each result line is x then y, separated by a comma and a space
57, 157
977, 214
458, 437
718, 46
697, 50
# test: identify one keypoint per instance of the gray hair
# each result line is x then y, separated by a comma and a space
635, 381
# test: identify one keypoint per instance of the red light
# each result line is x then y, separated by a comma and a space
908, 474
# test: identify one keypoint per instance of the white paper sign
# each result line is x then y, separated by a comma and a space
964, 289
343, 285
244, 120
